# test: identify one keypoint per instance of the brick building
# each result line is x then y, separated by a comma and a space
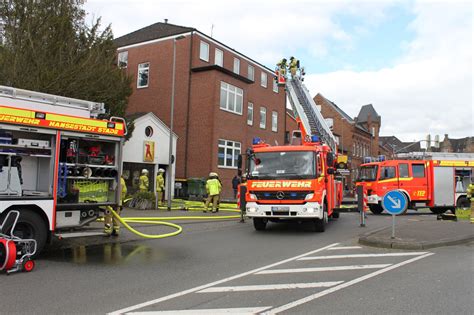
222, 99
357, 137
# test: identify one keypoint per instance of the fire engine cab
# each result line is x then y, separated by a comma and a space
434, 180
59, 164
295, 182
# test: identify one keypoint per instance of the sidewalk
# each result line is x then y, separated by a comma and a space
420, 233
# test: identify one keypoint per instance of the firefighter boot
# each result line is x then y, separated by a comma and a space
108, 229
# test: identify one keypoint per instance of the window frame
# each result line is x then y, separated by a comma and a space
121, 53
222, 57
138, 75
262, 75
250, 110
253, 72
228, 93
275, 86
234, 66
401, 171
234, 149
382, 172
263, 114
275, 126
201, 51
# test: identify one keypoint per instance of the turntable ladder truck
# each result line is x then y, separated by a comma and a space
295, 182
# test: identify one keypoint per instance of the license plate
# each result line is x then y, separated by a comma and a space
276, 209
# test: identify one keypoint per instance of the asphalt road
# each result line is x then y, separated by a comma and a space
216, 266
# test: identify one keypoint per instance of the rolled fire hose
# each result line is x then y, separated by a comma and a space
162, 220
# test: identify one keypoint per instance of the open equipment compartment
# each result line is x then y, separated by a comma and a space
26, 162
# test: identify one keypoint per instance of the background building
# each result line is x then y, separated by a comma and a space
357, 137
223, 98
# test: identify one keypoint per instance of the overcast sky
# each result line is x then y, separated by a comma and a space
411, 59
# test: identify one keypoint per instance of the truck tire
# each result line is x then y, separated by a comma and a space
376, 209
335, 214
320, 224
259, 224
31, 225
463, 203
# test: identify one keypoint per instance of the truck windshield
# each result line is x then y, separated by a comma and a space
367, 173
283, 165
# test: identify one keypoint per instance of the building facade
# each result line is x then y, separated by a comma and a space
223, 99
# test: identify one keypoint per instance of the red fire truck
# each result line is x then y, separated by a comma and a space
59, 164
299, 181
429, 180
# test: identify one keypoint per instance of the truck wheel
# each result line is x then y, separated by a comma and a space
320, 224
31, 225
335, 215
259, 224
376, 209
463, 203
438, 210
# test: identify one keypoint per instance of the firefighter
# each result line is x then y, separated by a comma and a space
213, 188
160, 185
282, 65
470, 197
294, 65
144, 182
111, 224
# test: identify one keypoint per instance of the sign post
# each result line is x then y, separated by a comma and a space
394, 202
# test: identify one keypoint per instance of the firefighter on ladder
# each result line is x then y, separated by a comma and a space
294, 65
111, 224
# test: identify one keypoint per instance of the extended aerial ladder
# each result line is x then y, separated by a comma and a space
310, 119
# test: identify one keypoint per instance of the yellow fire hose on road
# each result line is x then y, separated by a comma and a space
190, 206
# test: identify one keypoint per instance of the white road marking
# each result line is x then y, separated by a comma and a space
205, 286
216, 311
363, 255
344, 247
271, 287
343, 285
316, 269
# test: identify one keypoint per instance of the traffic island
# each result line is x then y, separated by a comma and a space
420, 233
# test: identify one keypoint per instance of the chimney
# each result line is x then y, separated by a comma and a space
166, 21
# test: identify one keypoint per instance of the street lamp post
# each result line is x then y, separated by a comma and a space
170, 153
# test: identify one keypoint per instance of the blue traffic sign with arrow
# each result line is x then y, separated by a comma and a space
395, 202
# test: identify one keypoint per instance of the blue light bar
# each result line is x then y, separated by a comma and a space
256, 140
314, 138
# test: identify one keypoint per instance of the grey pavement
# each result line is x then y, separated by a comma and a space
420, 232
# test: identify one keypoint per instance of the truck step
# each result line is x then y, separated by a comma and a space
78, 234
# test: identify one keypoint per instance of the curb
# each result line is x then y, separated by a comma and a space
369, 239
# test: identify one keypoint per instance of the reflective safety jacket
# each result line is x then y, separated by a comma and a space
470, 192
213, 186
294, 64
123, 193
143, 183
160, 182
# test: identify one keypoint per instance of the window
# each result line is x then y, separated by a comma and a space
148, 131
228, 153
219, 57
204, 51
251, 73
231, 98
403, 170
387, 172
143, 74
275, 86
250, 114
274, 121
236, 66
263, 79
263, 117
418, 170
122, 59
